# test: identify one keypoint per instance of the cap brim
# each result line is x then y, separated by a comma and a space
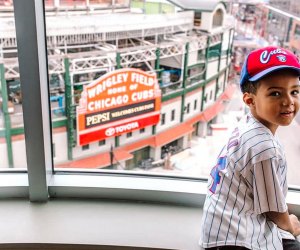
272, 69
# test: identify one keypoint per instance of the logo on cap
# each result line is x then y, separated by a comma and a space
282, 58
265, 56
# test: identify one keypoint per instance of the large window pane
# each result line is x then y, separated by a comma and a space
107, 113
91, 56
12, 141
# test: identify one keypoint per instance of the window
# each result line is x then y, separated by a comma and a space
205, 97
195, 104
201, 57
188, 108
101, 143
173, 115
64, 124
163, 119
64, 130
86, 109
297, 32
197, 19
12, 140
218, 18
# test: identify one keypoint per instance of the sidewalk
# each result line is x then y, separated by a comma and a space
198, 160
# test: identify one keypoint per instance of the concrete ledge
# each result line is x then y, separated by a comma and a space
68, 247
98, 223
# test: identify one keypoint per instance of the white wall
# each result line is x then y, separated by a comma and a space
225, 42
212, 68
193, 54
209, 88
19, 154
226, 77
196, 95
60, 147
136, 136
167, 109
206, 21
223, 64
221, 80
3, 156
94, 148
221, 84
174, 62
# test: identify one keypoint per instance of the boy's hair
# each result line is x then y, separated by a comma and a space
261, 62
250, 87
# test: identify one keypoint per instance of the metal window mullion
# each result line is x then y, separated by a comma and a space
32, 55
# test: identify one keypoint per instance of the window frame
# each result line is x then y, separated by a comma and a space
42, 181
101, 143
85, 147
173, 115
163, 119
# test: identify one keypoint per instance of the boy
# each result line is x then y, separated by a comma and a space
245, 206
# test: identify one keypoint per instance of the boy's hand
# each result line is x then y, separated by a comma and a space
296, 224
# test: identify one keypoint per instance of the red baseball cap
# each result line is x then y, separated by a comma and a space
262, 62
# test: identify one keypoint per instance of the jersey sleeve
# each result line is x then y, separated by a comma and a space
268, 186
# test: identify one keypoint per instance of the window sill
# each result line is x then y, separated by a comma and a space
139, 188
99, 223
119, 187
14, 185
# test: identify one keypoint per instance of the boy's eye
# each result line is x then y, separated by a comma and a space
275, 93
295, 92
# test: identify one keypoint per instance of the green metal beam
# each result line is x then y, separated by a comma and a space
69, 109
185, 76
118, 60
119, 66
287, 39
205, 74
157, 70
219, 65
192, 88
7, 122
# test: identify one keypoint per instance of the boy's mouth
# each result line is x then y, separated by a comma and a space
287, 113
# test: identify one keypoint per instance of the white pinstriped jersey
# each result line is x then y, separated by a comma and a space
248, 180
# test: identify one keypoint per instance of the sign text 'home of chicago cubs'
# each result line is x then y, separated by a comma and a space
118, 102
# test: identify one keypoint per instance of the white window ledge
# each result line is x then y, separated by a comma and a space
100, 222
108, 210
140, 188
14, 185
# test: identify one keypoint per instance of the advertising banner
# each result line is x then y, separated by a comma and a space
118, 102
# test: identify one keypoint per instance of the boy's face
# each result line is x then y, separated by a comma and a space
276, 101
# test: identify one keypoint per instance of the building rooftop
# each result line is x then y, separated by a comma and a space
205, 5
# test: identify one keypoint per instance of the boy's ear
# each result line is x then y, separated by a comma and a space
248, 99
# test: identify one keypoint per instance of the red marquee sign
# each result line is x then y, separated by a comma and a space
118, 102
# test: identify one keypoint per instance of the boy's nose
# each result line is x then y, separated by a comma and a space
288, 100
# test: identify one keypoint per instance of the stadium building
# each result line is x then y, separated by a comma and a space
130, 81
